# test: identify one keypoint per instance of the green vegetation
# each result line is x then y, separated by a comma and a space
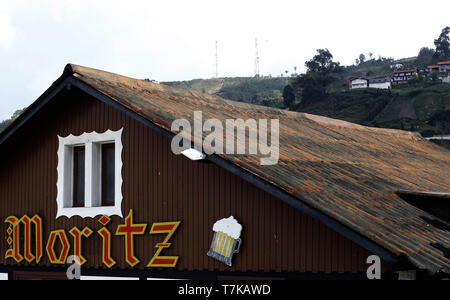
442, 44
6, 123
322, 72
289, 96
358, 106
422, 109
372, 68
257, 90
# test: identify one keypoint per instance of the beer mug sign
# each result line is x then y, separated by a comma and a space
226, 241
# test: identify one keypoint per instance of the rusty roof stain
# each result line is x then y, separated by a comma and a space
347, 171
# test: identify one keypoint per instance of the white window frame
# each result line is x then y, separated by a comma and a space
92, 142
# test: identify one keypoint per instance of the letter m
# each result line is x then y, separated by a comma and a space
15, 232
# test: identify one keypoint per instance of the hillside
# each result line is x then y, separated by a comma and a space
383, 66
257, 90
422, 109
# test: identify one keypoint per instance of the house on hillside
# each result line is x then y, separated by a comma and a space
89, 171
358, 83
380, 83
402, 76
397, 66
376, 83
444, 66
355, 75
432, 69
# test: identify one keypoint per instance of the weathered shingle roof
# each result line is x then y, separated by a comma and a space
347, 171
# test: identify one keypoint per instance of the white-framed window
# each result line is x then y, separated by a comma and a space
90, 174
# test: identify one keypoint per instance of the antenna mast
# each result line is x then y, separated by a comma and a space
256, 58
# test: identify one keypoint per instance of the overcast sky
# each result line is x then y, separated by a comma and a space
175, 40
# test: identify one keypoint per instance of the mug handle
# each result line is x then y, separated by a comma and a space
238, 246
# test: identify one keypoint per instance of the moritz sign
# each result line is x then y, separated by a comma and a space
128, 230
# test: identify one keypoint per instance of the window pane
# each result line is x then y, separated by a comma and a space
108, 174
78, 176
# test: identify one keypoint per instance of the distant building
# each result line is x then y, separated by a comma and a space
444, 66
355, 75
431, 69
403, 76
359, 83
376, 83
397, 66
380, 83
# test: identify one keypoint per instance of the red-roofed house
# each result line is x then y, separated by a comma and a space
444, 66
431, 69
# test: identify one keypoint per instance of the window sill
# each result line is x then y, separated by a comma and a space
89, 212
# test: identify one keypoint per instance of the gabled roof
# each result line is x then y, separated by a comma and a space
345, 172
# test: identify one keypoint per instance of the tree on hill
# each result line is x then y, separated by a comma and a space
425, 52
323, 63
362, 58
442, 44
288, 96
321, 72
6, 123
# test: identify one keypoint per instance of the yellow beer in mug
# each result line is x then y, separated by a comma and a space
224, 244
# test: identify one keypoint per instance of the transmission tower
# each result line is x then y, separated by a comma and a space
256, 58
